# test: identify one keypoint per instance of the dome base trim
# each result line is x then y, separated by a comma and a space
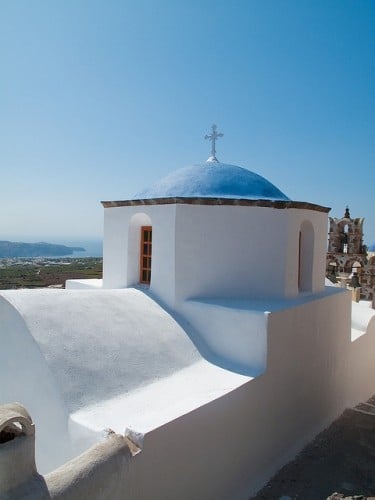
277, 204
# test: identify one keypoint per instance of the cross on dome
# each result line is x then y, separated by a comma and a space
212, 137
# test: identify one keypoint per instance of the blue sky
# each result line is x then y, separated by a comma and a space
99, 99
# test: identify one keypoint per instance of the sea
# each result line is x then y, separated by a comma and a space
93, 248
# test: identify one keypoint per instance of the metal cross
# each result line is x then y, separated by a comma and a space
212, 137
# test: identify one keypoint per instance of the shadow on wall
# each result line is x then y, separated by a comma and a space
201, 344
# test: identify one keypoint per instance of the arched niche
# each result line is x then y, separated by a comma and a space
306, 257
350, 264
356, 267
134, 242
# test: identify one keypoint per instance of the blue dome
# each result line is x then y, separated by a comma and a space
213, 180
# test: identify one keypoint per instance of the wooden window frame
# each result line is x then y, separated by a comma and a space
145, 255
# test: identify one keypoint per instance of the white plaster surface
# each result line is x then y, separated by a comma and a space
214, 251
27, 378
122, 242
244, 436
234, 332
65, 349
99, 344
193, 415
103, 358
362, 352
84, 283
230, 331
239, 351
161, 401
362, 315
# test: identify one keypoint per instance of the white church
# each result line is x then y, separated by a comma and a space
211, 348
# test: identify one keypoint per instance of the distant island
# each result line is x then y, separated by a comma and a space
9, 249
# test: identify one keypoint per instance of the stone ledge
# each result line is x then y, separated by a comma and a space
277, 204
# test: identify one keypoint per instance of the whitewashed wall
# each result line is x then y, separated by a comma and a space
296, 219
122, 245
231, 333
230, 251
26, 378
214, 251
62, 350
361, 370
228, 448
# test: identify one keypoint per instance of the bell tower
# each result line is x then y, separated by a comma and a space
346, 237
347, 261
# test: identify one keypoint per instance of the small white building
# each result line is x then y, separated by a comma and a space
217, 230
212, 233
212, 338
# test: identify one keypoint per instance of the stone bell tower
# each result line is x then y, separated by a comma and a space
346, 238
347, 255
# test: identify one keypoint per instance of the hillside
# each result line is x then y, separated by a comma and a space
9, 249
41, 273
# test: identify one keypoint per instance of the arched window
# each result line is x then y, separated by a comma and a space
306, 257
145, 255
139, 249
